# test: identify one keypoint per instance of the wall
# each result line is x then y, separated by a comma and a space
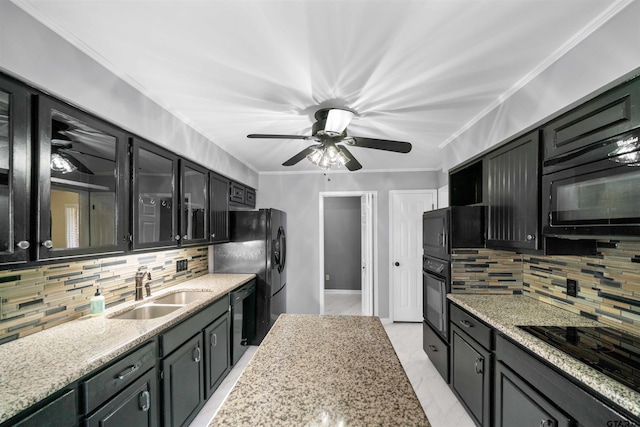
298, 195
608, 283
608, 53
342, 246
32, 53
37, 298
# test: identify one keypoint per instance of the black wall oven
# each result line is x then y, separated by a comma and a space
594, 192
436, 284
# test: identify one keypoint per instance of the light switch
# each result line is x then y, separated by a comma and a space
327, 277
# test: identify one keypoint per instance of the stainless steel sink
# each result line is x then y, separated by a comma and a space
181, 298
147, 311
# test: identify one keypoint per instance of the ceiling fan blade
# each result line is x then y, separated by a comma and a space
352, 164
379, 144
268, 136
301, 155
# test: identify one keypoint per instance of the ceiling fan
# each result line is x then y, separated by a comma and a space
330, 134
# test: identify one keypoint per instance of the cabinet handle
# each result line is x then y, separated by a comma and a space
546, 423
23, 244
433, 348
466, 324
214, 340
130, 370
196, 354
47, 244
478, 365
144, 400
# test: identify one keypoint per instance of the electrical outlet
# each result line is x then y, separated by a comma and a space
182, 265
572, 288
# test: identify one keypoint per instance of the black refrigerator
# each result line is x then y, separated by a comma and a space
258, 244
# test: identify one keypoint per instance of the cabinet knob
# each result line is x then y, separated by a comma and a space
185, 237
546, 423
433, 348
397, 264
479, 365
23, 244
177, 237
213, 235
530, 237
47, 244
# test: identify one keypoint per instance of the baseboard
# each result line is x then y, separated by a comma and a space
343, 291
386, 320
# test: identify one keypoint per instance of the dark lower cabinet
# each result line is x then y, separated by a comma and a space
437, 350
216, 341
538, 394
471, 376
183, 387
61, 412
135, 406
518, 404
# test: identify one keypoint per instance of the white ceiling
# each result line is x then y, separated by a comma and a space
417, 71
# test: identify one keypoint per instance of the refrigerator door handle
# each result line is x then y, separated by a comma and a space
283, 248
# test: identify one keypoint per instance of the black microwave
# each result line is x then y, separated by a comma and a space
594, 192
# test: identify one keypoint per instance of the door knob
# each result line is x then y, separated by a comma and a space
397, 264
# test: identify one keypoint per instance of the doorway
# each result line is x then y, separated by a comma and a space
347, 247
405, 249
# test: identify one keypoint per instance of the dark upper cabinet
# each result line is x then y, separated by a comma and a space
242, 196
194, 203
82, 181
15, 153
218, 208
467, 184
513, 195
155, 196
609, 114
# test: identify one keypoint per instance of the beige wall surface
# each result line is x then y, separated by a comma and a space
298, 195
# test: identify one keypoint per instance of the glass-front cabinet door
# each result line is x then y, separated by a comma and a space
194, 221
82, 180
14, 173
155, 207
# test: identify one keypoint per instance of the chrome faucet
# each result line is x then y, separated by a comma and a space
141, 275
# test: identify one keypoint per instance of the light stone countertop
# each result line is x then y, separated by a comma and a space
36, 366
505, 312
323, 370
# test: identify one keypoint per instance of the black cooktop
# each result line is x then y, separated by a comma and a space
610, 351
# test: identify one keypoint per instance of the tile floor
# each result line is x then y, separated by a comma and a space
439, 403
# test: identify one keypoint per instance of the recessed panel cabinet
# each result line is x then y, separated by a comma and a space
194, 202
155, 199
513, 205
218, 208
82, 173
15, 241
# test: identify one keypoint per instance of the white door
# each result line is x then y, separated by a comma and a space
406, 252
366, 236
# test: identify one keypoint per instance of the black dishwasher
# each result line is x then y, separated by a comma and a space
243, 312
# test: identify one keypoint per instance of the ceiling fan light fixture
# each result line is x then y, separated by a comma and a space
327, 156
337, 121
60, 164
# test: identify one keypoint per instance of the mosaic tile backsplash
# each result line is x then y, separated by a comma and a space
608, 283
37, 298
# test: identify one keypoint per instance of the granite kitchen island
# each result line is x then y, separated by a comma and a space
323, 370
